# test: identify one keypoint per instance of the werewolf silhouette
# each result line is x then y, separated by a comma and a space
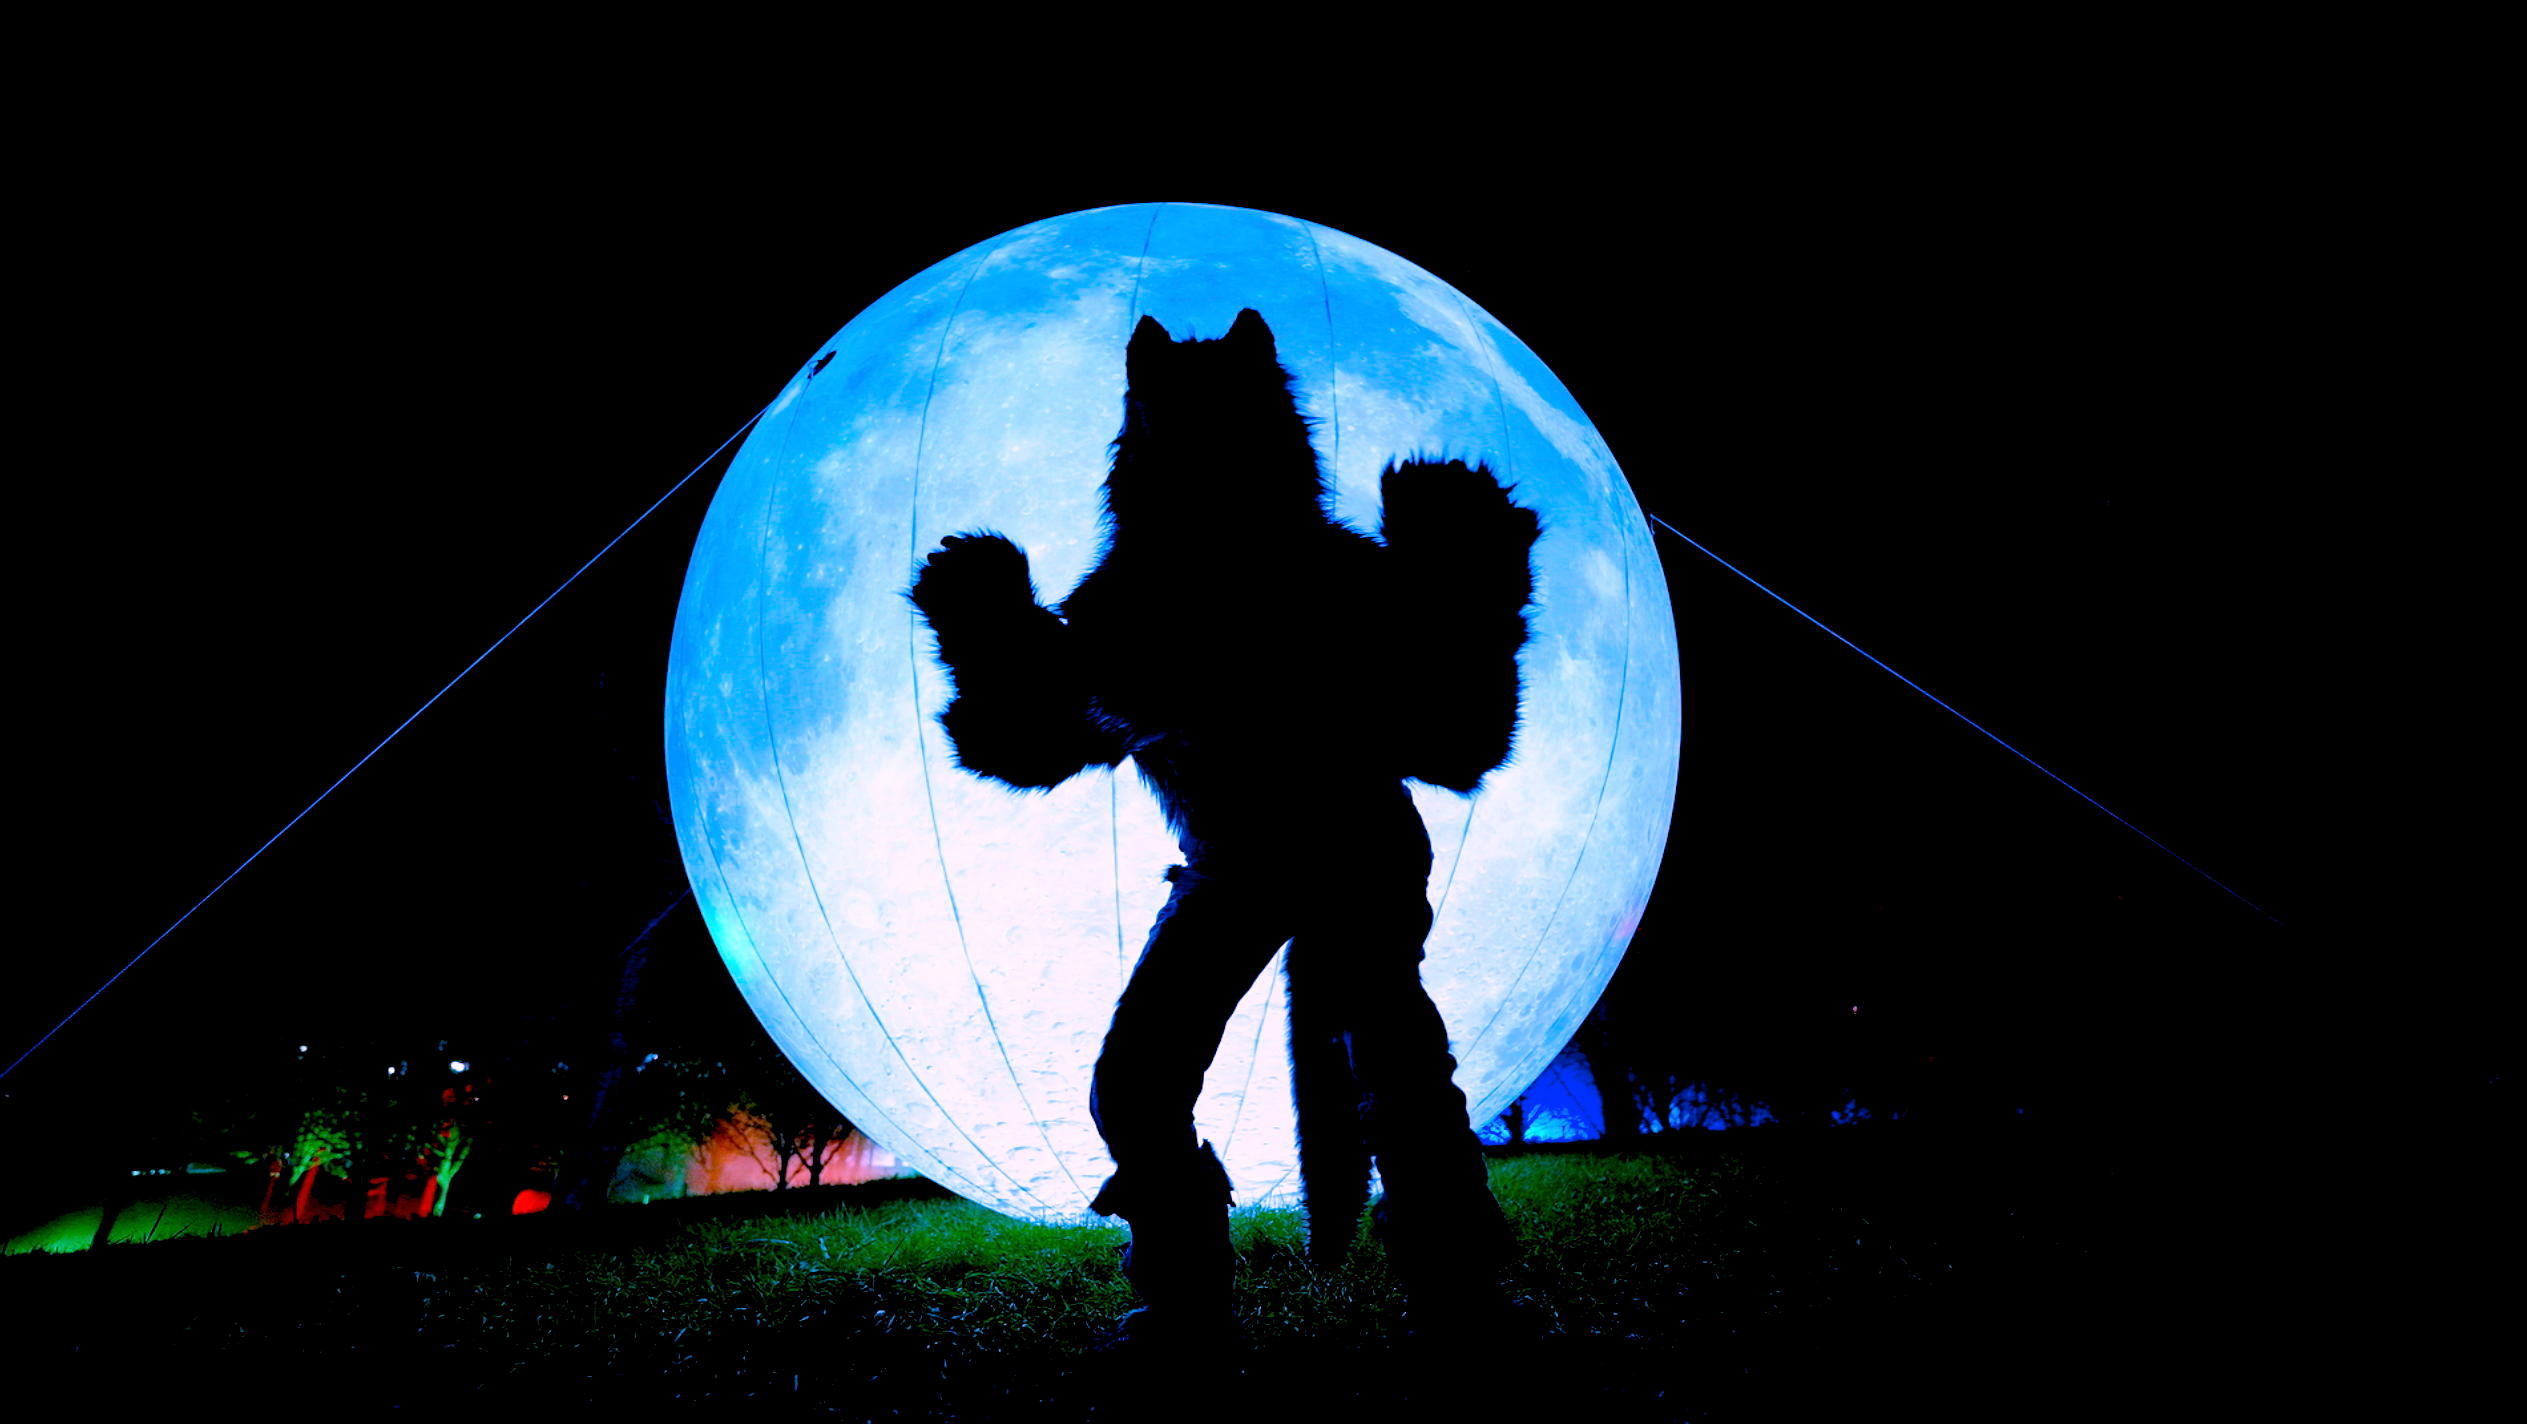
1276, 676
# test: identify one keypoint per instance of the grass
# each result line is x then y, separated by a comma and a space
1739, 1275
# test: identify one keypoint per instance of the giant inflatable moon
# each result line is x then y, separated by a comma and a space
938, 954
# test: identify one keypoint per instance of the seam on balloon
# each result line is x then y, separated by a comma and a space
1333, 350
789, 809
1465, 829
1140, 269
1114, 816
1614, 741
710, 849
876, 1114
921, 740
1254, 1051
1508, 462
1114, 862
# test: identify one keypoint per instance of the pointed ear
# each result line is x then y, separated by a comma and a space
1146, 353
1249, 331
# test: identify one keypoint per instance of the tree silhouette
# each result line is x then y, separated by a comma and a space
797, 1125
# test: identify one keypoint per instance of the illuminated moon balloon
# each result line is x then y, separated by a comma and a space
939, 954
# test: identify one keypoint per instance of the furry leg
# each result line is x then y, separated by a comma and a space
1179, 1260
1208, 945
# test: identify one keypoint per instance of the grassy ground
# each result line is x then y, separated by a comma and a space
1747, 1275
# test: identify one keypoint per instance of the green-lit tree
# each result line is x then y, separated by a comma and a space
365, 1108
382, 1114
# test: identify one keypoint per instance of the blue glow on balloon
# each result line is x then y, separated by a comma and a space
940, 955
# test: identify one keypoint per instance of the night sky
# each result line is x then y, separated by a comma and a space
2035, 433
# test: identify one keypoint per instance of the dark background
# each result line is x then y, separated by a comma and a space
2042, 413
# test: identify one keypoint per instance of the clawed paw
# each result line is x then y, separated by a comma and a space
971, 571
1451, 501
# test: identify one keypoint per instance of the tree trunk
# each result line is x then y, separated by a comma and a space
457, 1146
824, 1148
1617, 1101
273, 1172
307, 1186
117, 1197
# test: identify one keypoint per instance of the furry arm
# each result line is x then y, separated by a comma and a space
1021, 710
1458, 547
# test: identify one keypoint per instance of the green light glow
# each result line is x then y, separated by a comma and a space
155, 1220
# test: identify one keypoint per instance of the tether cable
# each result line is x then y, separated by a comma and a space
390, 736
1960, 716
748, 424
